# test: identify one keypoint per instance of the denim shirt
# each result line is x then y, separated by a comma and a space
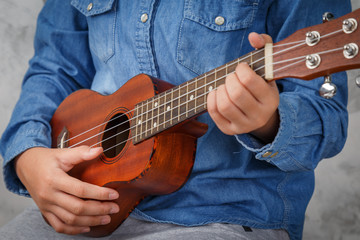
236, 179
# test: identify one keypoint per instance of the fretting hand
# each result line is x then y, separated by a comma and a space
246, 103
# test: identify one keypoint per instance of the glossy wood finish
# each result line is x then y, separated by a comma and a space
331, 62
160, 162
159, 165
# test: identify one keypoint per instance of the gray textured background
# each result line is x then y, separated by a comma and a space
334, 211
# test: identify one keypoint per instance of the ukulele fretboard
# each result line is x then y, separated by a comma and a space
185, 101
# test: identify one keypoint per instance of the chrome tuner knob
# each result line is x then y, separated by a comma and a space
328, 89
357, 81
327, 17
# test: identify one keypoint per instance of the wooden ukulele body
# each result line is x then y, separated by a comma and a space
156, 166
161, 160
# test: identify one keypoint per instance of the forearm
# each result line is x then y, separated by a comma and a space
54, 73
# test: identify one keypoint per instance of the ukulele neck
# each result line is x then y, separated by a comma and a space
187, 100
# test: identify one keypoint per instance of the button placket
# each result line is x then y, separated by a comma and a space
143, 38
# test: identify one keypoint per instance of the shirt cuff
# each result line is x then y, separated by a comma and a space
20, 142
277, 152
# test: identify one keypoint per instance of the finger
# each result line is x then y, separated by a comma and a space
219, 115
259, 40
82, 207
70, 157
61, 227
213, 110
71, 219
84, 190
256, 86
240, 96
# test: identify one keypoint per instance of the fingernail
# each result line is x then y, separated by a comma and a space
85, 230
113, 195
105, 220
114, 210
94, 150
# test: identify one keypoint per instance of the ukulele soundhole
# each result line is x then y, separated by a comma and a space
115, 135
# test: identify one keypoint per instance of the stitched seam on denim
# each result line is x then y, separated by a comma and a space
285, 200
234, 220
287, 141
149, 44
83, 9
113, 33
226, 27
295, 126
180, 57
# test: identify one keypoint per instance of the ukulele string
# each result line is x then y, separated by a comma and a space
146, 112
180, 87
238, 60
303, 58
102, 124
194, 109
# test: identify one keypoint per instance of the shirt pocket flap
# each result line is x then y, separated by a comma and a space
92, 7
236, 15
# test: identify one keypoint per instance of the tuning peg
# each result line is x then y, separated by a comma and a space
357, 81
328, 89
327, 17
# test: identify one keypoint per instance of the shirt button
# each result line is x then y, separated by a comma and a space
275, 153
219, 20
90, 6
144, 17
267, 154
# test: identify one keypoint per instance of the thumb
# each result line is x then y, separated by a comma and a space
72, 156
259, 40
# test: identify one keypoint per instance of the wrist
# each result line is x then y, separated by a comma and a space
268, 132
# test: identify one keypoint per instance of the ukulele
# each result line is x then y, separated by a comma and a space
148, 129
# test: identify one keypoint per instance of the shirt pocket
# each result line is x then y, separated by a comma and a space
101, 18
212, 32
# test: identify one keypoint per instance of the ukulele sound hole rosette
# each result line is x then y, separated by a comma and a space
115, 135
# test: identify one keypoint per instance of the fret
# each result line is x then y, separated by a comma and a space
221, 74
191, 111
182, 102
172, 107
148, 118
205, 91
200, 94
231, 67
188, 99
151, 119
155, 114
162, 111
175, 103
137, 123
195, 96
142, 120
167, 109
259, 62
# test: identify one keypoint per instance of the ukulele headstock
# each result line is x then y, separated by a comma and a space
319, 50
